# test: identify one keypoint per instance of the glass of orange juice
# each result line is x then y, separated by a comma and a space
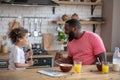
105, 67
77, 66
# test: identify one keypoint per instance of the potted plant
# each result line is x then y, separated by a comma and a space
62, 38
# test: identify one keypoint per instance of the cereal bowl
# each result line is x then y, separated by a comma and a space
65, 67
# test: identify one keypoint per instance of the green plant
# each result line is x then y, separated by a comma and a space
62, 36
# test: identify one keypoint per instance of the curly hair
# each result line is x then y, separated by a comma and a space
17, 33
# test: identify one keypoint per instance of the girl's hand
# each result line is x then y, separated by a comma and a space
30, 62
29, 54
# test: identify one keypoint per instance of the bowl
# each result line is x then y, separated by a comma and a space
99, 66
65, 67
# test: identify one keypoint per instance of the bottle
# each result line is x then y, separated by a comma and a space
116, 59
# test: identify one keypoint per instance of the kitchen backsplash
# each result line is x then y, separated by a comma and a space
45, 13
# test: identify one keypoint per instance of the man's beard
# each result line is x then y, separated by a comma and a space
71, 36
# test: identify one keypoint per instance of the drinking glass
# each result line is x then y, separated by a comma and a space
77, 66
105, 67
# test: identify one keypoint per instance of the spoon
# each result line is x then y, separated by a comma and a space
57, 63
98, 60
30, 46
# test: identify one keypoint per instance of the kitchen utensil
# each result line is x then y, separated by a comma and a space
29, 26
98, 59
40, 25
75, 16
64, 67
35, 33
99, 66
23, 22
30, 46
14, 24
59, 28
65, 17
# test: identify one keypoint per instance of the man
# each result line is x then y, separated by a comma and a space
82, 46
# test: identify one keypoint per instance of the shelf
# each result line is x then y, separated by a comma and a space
82, 22
94, 23
78, 3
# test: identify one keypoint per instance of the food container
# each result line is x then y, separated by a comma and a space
4, 48
65, 17
99, 66
65, 67
75, 16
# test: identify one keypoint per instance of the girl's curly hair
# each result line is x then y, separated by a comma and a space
17, 33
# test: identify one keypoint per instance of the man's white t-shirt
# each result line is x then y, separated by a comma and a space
17, 55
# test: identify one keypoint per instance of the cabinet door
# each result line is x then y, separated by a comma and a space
47, 62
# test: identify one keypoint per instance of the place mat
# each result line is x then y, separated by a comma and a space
53, 73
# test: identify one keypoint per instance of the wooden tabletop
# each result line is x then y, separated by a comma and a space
89, 72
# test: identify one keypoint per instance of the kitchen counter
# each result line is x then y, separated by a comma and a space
89, 72
47, 59
50, 54
39, 60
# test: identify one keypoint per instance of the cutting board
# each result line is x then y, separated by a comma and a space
48, 41
14, 24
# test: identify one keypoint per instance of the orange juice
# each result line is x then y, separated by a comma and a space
77, 68
105, 68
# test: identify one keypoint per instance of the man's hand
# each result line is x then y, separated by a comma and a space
58, 57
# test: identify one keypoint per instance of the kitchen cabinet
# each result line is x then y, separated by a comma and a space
43, 62
83, 22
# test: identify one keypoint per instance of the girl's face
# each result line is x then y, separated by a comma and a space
23, 41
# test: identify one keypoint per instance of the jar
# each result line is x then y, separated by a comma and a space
65, 17
4, 48
75, 16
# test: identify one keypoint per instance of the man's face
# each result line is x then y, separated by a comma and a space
69, 31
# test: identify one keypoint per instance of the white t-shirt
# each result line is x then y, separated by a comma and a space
17, 55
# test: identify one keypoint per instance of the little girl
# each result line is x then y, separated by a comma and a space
19, 38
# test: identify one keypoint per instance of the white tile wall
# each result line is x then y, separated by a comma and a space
45, 11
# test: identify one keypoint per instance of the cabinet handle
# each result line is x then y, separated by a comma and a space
35, 61
44, 61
